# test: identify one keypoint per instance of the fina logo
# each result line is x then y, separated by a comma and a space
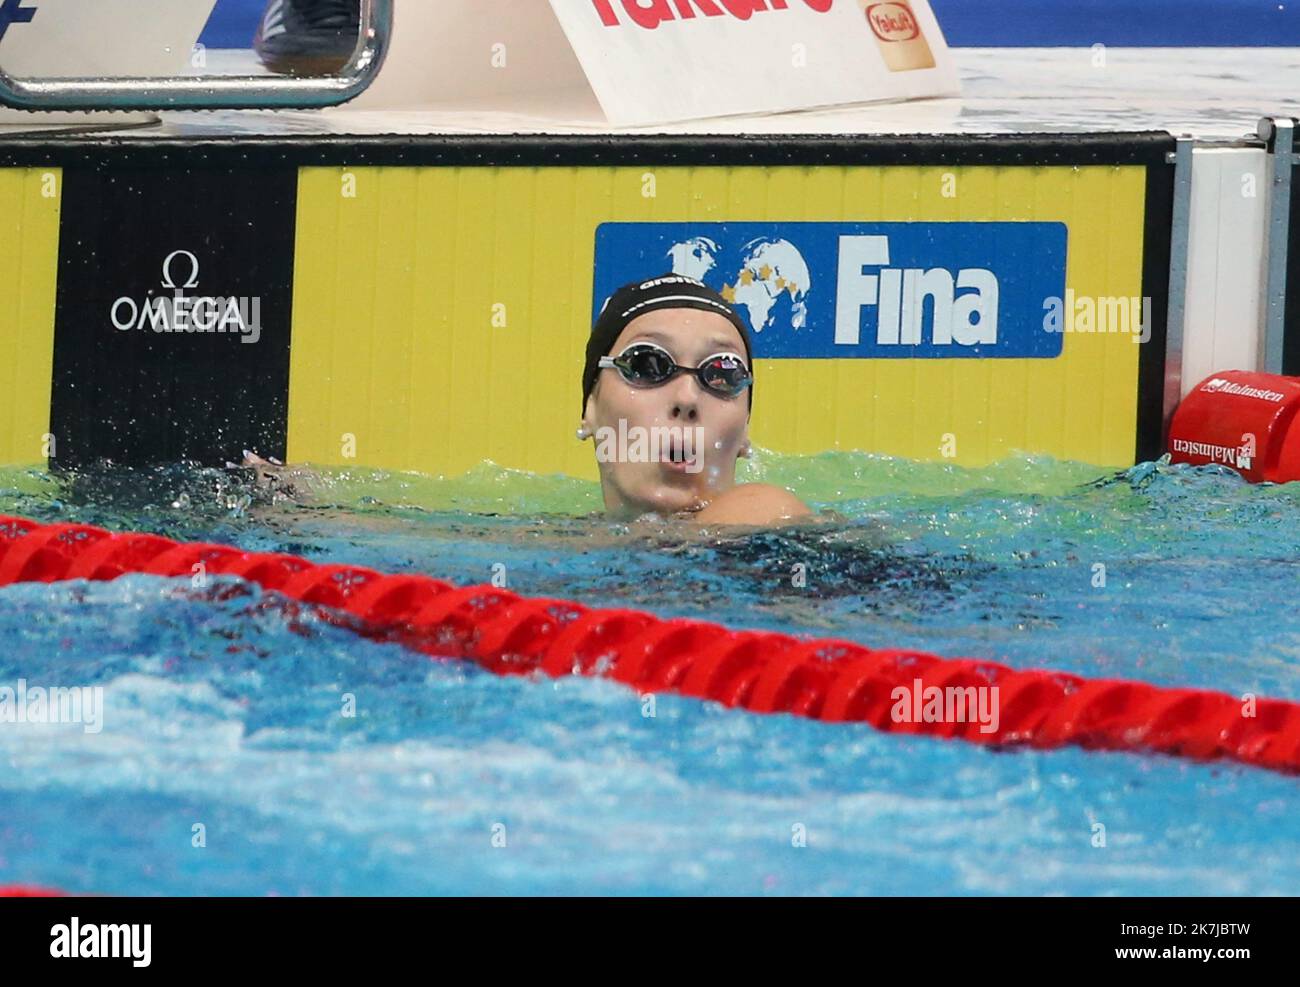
899, 294
13, 12
855, 290
189, 313
773, 268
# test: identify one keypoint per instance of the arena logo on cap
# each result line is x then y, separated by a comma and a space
878, 290
678, 279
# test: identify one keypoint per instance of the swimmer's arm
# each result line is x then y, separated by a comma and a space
277, 478
754, 504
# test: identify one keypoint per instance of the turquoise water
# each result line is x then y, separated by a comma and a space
223, 708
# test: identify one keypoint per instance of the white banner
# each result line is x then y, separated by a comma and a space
638, 62
653, 61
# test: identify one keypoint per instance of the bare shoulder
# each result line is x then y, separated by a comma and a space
752, 503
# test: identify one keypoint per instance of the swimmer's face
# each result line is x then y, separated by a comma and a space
699, 433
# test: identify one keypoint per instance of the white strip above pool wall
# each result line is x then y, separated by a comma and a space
1225, 264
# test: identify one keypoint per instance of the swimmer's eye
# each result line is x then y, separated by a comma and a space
648, 365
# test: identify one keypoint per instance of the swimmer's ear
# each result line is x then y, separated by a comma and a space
585, 431
745, 451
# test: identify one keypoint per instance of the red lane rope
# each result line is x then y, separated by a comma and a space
760, 671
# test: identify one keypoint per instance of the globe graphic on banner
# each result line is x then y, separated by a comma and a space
766, 278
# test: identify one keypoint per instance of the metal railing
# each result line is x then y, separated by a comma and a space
214, 92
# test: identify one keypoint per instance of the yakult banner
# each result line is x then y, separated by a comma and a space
639, 62
651, 61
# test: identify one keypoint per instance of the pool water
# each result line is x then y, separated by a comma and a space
226, 765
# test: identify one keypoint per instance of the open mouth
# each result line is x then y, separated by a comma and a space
675, 455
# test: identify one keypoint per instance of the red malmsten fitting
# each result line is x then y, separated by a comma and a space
764, 672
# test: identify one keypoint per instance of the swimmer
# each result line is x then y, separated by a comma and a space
669, 358
277, 481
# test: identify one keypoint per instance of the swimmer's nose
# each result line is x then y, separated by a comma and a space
685, 398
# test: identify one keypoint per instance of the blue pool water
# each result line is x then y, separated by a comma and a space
223, 708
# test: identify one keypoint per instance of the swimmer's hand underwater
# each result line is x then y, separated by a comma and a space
274, 477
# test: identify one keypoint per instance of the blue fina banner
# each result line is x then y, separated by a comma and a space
1118, 23
862, 290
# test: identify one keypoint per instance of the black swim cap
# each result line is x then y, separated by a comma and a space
639, 297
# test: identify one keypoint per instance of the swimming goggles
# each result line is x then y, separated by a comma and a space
649, 365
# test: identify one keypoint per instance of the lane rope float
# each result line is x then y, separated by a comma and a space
764, 672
